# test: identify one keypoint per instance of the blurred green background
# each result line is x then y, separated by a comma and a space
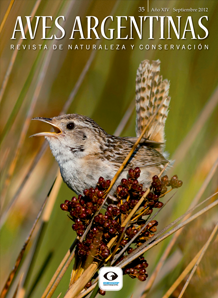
40, 84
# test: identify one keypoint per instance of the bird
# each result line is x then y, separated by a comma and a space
85, 151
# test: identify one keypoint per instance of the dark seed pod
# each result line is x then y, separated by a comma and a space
101, 292
86, 192
131, 173
80, 232
173, 181
64, 207
88, 285
179, 183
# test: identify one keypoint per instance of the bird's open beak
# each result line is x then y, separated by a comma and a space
56, 131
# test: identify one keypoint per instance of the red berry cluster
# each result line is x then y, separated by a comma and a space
147, 233
83, 208
131, 192
130, 186
93, 245
137, 269
160, 186
108, 224
104, 228
175, 182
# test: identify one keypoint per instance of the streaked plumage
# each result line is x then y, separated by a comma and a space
151, 90
86, 152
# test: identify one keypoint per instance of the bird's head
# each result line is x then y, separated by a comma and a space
72, 134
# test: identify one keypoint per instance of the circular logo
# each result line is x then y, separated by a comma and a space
110, 275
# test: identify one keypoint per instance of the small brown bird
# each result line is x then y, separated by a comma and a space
84, 151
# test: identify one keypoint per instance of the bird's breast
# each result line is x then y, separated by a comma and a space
84, 173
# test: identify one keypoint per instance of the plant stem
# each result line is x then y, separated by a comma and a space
198, 260
82, 281
51, 287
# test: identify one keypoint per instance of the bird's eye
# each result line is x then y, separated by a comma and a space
70, 126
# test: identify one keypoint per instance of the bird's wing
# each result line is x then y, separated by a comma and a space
144, 156
151, 91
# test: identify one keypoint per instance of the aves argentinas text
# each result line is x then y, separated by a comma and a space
121, 27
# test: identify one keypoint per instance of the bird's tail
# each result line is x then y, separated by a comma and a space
151, 91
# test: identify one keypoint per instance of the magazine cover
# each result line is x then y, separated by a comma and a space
109, 148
